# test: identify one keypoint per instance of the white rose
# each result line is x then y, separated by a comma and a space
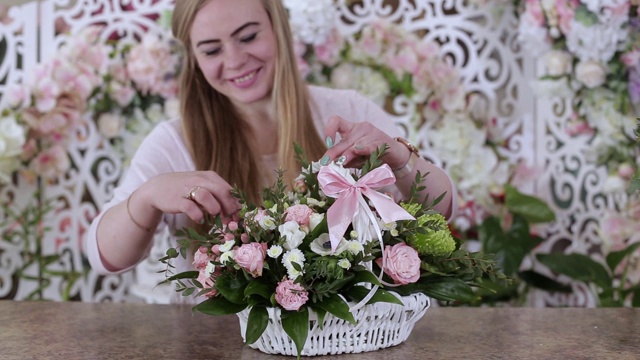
342, 77
110, 125
292, 234
558, 62
590, 73
314, 220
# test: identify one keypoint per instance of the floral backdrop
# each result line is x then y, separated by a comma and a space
541, 183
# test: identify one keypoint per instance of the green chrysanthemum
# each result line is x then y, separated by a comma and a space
436, 239
436, 243
411, 208
433, 221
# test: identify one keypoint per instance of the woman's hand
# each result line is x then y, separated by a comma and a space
357, 141
192, 193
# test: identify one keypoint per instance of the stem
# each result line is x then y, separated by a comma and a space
39, 236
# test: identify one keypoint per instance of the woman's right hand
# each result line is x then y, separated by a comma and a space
192, 193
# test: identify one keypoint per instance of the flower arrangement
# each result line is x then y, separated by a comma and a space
120, 85
334, 239
591, 51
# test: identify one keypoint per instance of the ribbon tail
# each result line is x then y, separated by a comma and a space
339, 216
388, 210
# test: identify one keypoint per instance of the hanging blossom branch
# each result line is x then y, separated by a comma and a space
124, 88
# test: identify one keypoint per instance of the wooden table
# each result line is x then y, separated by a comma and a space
75, 330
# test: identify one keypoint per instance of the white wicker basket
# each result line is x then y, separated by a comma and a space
380, 325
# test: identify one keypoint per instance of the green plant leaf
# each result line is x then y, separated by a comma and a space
296, 325
579, 267
531, 208
360, 292
540, 281
232, 288
614, 258
218, 306
182, 275
510, 247
256, 324
450, 289
336, 305
365, 276
258, 288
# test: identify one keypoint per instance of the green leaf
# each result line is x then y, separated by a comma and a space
296, 325
531, 208
365, 276
579, 267
540, 281
360, 292
510, 248
258, 288
336, 305
256, 324
218, 306
449, 289
614, 258
182, 275
232, 288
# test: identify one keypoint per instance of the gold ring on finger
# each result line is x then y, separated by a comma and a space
192, 193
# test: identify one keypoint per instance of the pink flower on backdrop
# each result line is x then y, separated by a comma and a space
534, 13
207, 281
405, 60
251, 257
578, 127
51, 162
328, 53
616, 229
402, 263
201, 258
566, 13
17, 95
44, 89
152, 67
299, 49
525, 174
299, 213
291, 296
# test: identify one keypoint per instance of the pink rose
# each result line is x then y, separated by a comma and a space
299, 213
251, 257
291, 296
201, 258
402, 263
207, 281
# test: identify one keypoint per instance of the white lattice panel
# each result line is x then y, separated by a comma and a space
479, 41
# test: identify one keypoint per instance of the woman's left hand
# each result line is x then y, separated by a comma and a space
357, 141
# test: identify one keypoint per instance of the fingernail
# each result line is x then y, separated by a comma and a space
329, 142
359, 147
202, 221
341, 160
325, 160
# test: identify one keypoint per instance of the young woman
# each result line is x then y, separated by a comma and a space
244, 105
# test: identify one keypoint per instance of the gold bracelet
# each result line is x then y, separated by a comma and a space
133, 221
411, 163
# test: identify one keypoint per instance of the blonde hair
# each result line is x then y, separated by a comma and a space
216, 134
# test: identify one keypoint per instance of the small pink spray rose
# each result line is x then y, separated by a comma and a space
291, 296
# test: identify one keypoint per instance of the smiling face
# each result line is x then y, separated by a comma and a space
235, 48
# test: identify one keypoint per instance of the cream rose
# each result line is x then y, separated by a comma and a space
558, 62
591, 73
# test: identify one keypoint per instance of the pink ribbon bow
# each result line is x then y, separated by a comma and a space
348, 194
